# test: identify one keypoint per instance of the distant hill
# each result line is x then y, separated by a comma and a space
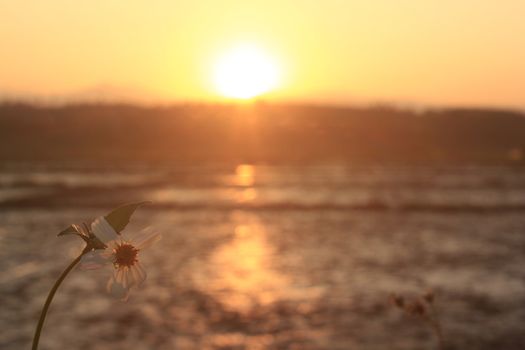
260, 133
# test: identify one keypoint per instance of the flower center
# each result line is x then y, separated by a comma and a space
125, 255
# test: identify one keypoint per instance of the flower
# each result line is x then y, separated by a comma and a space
123, 254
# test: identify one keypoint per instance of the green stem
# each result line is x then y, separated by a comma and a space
50, 296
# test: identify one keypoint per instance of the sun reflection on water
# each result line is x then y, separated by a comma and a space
243, 274
245, 178
246, 195
244, 175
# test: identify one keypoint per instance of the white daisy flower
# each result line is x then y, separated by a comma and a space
122, 254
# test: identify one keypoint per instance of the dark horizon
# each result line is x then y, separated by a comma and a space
414, 106
261, 133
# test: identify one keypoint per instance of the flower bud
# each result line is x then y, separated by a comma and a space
416, 308
397, 300
429, 296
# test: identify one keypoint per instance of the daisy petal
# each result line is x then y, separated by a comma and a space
93, 260
108, 253
127, 278
117, 289
103, 230
118, 275
147, 240
138, 275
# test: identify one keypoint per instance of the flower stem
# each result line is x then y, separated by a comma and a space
434, 323
50, 296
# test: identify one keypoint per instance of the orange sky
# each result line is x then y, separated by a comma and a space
452, 52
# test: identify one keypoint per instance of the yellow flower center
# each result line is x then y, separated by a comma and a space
125, 255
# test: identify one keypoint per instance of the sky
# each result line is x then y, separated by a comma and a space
425, 52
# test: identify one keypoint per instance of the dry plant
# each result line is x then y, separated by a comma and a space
422, 307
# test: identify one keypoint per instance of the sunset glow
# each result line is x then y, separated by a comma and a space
341, 52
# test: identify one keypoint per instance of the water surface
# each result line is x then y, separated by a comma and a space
269, 257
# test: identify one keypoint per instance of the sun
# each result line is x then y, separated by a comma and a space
244, 72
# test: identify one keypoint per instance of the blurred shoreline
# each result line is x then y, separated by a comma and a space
260, 133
